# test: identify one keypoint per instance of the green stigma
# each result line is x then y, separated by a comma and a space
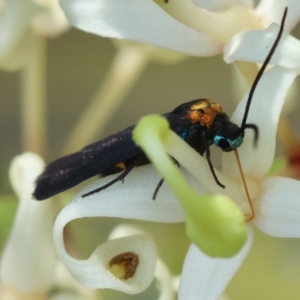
213, 222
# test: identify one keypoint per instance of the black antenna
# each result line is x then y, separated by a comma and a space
259, 75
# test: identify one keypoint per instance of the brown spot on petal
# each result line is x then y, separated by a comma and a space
124, 265
294, 167
291, 147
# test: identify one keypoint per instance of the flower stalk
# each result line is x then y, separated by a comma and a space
124, 71
33, 100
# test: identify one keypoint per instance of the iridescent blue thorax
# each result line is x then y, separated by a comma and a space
187, 131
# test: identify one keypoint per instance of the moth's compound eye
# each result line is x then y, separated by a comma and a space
221, 142
227, 144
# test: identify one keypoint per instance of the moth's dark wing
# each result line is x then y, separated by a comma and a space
176, 123
98, 158
70, 170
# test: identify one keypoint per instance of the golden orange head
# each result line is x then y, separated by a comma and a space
204, 112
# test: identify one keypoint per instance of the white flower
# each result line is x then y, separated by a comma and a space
274, 199
198, 27
29, 268
130, 203
20, 23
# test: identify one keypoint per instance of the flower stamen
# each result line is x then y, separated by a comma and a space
247, 216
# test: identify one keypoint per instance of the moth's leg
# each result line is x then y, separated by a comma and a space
204, 140
120, 177
160, 183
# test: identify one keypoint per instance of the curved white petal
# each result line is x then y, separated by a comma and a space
103, 269
162, 274
140, 20
27, 263
204, 277
165, 281
254, 46
278, 213
131, 200
264, 113
272, 11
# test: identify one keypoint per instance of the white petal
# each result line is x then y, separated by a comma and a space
165, 280
219, 5
254, 46
278, 213
205, 277
140, 20
272, 11
27, 263
131, 200
124, 230
264, 113
65, 283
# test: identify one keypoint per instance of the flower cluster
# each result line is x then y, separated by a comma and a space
21, 22
214, 217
